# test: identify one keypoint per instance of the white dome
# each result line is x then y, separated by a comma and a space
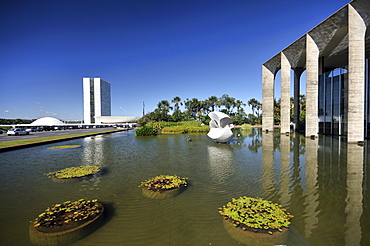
47, 121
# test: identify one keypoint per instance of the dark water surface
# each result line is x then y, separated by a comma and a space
323, 183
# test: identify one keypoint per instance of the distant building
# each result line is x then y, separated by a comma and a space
336, 58
97, 99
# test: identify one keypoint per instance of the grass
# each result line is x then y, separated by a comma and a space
47, 139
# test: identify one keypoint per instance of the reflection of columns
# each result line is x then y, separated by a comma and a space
310, 194
297, 89
267, 99
268, 183
285, 169
285, 95
356, 75
312, 77
353, 208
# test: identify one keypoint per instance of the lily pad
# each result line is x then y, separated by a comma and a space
164, 186
66, 223
74, 172
65, 147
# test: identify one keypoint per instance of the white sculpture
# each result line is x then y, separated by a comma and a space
221, 125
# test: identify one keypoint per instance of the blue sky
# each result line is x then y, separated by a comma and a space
149, 50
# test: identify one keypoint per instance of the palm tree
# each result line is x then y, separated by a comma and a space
212, 102
177, 101
253, 102
238, 104
194, 106
163, 107
228, 102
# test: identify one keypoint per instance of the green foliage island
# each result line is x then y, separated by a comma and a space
74, 172
68, 213
256, 214
164, 182
65, 147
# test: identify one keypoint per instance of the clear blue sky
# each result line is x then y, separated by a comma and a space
149, 50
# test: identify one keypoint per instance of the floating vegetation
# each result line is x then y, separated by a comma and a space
68, 212
164, 182
163, 186
66, 223
65, 147
256, 214
74, 172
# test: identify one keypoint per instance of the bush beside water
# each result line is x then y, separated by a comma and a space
146, 131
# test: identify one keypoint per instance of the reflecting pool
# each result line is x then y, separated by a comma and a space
323, 182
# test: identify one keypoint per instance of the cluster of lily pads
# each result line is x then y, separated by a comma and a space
256, 214
65, 147
164, 182
68, 212
74, 172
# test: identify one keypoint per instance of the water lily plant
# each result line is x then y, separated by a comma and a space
65, 147
164, 182
67, 213
74, 172
256, 214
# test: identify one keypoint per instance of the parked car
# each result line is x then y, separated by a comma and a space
16, 132
1, 132
32, 129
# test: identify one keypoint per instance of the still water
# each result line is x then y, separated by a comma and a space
322, 182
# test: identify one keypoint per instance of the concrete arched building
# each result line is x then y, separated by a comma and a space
336, 58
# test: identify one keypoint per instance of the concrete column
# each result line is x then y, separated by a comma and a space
285, 95
312, 77
356, 75
297, 89
267, 99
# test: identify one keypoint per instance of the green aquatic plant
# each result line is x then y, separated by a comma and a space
74, 172
68, 212
256, 214
164, 182
65, 147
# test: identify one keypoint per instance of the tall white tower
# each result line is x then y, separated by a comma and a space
96, 96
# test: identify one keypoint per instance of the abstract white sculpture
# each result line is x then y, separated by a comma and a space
220, 125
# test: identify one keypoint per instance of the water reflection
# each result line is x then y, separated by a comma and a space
93, 154
310, 194
322, 182
268, 178
285, 165
354, 194
221, 161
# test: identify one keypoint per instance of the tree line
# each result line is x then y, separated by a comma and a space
15, 121
195, 109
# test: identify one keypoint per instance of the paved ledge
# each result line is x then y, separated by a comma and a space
20, 146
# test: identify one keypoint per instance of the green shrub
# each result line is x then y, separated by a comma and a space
146, 131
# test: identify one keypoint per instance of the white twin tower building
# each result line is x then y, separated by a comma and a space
97, 103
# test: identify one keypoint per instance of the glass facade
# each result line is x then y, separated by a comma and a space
332, 95
333, 102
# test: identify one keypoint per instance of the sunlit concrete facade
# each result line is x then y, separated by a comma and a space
96, 98
342, 41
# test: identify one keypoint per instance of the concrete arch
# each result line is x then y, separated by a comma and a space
340, 41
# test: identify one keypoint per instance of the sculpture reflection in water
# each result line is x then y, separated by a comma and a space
220, 127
